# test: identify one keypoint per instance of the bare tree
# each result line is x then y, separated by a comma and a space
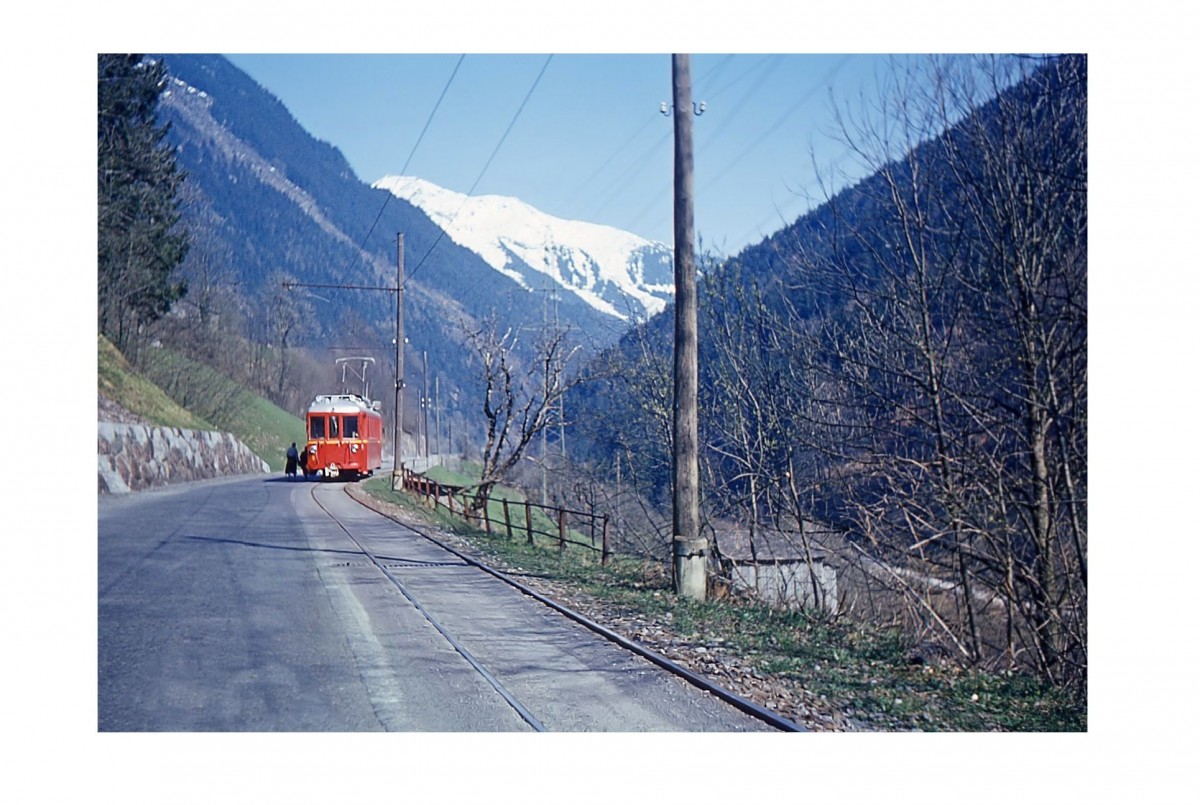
957, 345
913, 369
519, 395
1023, 170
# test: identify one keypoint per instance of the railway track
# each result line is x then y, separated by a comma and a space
516, 705
748, 708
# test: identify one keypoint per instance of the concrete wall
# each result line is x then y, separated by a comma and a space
135, 457
789, 583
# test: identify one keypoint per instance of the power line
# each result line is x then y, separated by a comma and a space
785, 221
403, 171
618, 183
479, 178
766, 67
580, 187
715, 71
737, 79
763, 68
731, 114
779, 122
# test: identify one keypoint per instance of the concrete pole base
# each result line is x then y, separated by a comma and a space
691, 572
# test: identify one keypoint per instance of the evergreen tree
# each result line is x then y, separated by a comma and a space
139, 247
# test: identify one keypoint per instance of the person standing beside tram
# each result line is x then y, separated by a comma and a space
292, 457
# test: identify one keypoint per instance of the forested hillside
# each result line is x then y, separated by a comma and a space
906, 365
266, 204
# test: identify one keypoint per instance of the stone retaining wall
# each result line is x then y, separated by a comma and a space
136, 457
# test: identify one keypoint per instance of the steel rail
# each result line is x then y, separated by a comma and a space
746, 706
524, 713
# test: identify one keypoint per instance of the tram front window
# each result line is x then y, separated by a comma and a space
316, 427
333, 427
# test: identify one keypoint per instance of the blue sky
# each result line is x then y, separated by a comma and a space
590, 142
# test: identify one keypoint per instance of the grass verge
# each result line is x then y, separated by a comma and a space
263, 426
866, 674
118, 381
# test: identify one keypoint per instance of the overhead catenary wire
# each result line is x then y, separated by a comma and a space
479, 178
403, 171
756, 72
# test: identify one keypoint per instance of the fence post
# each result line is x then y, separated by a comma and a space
604, 543
507, 521
450, 501
529, 522
487, 516
562, 531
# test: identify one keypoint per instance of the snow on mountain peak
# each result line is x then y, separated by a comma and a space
614, 271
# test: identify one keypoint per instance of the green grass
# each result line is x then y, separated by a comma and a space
176, 392
862, 672
118, 381
446, 476
545, 528
213, 398
266, 429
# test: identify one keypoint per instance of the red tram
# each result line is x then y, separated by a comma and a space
345, 437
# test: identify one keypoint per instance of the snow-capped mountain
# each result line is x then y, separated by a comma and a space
613, 271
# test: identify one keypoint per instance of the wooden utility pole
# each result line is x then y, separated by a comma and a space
399, 417
689, 549
437, 417
425, 404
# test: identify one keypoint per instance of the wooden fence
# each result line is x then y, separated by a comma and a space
564, 526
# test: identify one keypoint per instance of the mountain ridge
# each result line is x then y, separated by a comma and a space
616, 272
266, 202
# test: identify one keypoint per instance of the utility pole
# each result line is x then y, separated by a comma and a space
562, 412
437, 416
399, 416
399, 291
545, 299
425, 402
689, 547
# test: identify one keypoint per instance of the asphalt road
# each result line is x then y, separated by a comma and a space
241, 605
